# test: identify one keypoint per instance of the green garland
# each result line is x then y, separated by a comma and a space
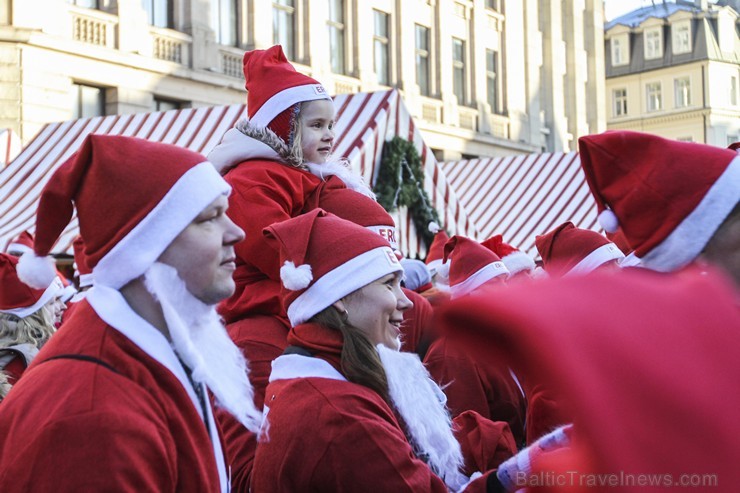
401, 183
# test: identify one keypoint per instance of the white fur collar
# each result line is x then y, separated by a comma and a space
290, 366
235, 147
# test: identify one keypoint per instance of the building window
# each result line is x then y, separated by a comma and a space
422, 59
335, 23
88, 4
620, 102
460, 10
381, 47
166, 104
681, 37
224, 21
620, 53
731, 139
492, 72
87, 101
653, 43
733, 90
682, 89
159, 12
492, 4
654, 97
458, 70
283, 26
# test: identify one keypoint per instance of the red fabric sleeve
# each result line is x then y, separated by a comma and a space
485, 444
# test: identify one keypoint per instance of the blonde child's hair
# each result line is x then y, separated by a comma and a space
35, 329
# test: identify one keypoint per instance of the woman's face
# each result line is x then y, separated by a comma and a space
56, 308
377, 309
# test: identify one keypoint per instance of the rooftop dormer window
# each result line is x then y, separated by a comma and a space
653, 43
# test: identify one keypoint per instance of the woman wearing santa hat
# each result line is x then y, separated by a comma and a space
345, 409
26, 318
274, 160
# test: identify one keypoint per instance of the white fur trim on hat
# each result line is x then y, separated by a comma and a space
483, 275
609, 221
285, 99
51, 291
598, 257
36, 272
86, 280
343, 280
387, 232
630, 260
689, 238
295, 278
434, 227
19, 248
517, 262
142, 246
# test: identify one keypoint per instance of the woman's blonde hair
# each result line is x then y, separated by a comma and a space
360, 361
4, 385
34, 329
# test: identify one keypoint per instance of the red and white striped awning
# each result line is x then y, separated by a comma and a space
365, 121
10, 146
523, 196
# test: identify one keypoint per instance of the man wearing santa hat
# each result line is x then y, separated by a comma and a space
119, 399
485, 386
675, 202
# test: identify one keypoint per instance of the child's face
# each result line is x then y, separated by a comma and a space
317, 130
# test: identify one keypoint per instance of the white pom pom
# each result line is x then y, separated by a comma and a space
434, 227
609, 221
295, 278
36, 272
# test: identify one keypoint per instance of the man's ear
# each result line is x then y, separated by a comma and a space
339, 306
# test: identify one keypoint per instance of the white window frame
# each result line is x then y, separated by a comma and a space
286, 39
620, 50
653, 38
682, 92
654, 96
422, 53
619, 102
681, 32
733, 90
382, 46
338, 33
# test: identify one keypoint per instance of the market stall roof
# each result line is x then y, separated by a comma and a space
523, 196
365, 121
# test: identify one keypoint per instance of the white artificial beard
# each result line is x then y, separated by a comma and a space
200, 339
421, 404
341, 169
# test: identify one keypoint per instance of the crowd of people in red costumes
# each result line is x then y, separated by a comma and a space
245, 322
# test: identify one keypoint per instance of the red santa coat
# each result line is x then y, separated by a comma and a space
123, 419
417, 323
328, 434
646, 362
482, 385
264, 192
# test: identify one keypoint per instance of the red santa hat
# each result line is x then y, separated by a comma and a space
567, 250
16, 298
274, 87
514, 259
133, 197
83, 271
354, 206
324, 258
471, 266
668, 197
436, 252
20, 244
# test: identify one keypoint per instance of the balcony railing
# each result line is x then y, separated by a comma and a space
169, 45
93, 27
231, 61
345, 85
499, 125
431, 110
468, 118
